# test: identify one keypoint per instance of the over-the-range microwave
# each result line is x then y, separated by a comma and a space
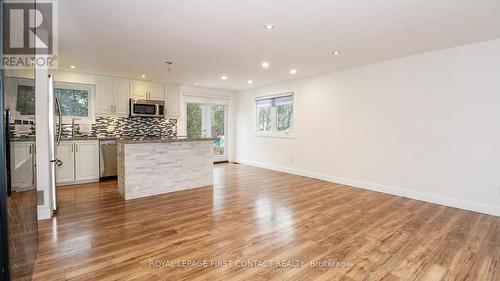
147, 108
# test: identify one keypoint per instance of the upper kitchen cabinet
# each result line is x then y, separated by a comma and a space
138, 90
156, 91
121, 94
143, 90
172, 98
112, 96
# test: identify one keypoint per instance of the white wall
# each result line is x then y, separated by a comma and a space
425, 127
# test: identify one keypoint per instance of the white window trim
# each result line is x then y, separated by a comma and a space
275, 133
77, 86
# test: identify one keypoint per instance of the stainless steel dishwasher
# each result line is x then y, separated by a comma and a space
107, 159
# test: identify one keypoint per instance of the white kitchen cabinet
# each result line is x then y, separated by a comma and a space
139, 90
112, 96
172, 98
22, 165
86, 160
142, 90
104, 96
80, 161
65, 172
156, 91
121, 90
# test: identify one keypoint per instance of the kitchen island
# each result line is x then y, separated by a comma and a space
148, 167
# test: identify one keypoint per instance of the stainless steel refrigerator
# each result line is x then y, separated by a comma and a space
55, 131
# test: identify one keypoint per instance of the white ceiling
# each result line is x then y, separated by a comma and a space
206, 39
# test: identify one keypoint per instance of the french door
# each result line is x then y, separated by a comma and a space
209, 120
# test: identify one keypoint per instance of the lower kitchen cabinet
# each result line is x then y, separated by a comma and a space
80, 162
86, 160
66, 153
22, 165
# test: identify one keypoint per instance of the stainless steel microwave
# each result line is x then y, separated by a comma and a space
147, 108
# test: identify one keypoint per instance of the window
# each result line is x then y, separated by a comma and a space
275, 114
264, 114
284, 113
75, 101
25, 103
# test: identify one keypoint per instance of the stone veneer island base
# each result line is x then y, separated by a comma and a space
151, 167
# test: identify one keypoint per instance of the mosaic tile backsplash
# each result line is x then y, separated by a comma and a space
119, 126
127, 127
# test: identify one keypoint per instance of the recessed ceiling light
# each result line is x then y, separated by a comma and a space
265, 64
250, 81
223, 77
196, 83
336, 52
269, 26
293, 71
143, 76
72, 66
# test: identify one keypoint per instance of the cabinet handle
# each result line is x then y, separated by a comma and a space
76, 145
30, 148
72, 147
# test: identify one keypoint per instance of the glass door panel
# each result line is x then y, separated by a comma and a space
218, 130
209, 120
194, 128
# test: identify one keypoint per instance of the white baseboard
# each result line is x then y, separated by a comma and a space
450, 202
61, 184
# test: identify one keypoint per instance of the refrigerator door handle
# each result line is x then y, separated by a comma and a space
59, 117
52, 99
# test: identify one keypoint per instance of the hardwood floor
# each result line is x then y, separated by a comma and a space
253, 215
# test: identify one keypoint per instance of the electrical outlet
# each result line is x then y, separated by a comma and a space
291, 161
